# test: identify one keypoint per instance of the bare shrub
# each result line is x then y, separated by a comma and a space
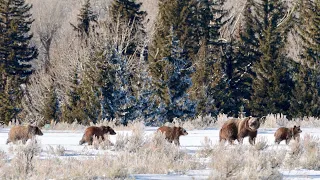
65, 126
56, 151
261, 143
100, 167
137, 139
311, 152
200, 122
98, 143
304, 153
206, 149
23, 160
121, 141
243, 162
274, 120
294, 153
227, 162
3, 157
259, 165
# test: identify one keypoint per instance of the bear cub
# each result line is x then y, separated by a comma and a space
287, 134
173, 134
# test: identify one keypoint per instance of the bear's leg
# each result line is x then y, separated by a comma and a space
90, 141
252, 140
277, 141
176, 142
81, 141
230, 141
288, 140
240, 140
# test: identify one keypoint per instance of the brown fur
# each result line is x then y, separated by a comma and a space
287, 134
99, 132
23, 133
173, 134
237, 129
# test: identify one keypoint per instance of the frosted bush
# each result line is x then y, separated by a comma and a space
56, 151
206, 149
3, 158
243, 162
200, 122
261, 143
23, 160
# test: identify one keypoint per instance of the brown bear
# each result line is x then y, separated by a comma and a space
23, 133
287, 134
237, 129
99, 132
173, 134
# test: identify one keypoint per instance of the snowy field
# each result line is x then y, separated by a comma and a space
190, 144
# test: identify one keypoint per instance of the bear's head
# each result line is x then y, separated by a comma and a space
296, 130
253, 123
34, 130
181, 131
108, 130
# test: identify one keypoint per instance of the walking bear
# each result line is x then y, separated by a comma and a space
23, 133
99, 132
173, 134
237, 129
287, 134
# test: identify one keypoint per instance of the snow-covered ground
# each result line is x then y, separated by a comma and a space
190, 143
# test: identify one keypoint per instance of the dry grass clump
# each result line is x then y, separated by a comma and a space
76, 126
200, 122
274, 120
131, 143
244, 162
56, 151
304, 153
261, 143
280, 120
206, 149
23, 161
98, 143
100, 167
64, 126
3, 158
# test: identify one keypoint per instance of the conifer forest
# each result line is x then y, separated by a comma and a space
156, 60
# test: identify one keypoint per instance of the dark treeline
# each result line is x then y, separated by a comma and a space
199, 60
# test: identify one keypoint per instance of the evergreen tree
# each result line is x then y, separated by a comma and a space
16, 53
51, 109
73, 109
209, 80
247, 53
272, 84
86, 19
128, 14
113, 85
305, 100
309, 30
305, 97
177, 82
169, 18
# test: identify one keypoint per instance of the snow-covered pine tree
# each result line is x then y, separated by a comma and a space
177, 80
